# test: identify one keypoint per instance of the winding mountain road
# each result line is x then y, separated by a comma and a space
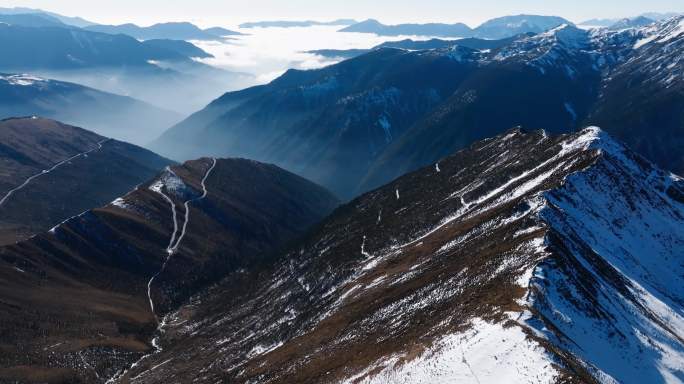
174, 243
46, 171
187, 206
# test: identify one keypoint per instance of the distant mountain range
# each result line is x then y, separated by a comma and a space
31, 20
53, 171
508, 26
111, 115
175, 31
171, 31
291, 24
599, 22
610, 21
585, 66
661, 15
416, 45
358, 124
432, 29
153, 70
498, 28
73, 21
28, 48
639, 21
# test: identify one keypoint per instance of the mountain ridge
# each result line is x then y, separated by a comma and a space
500, 259
169, 30
109, 275
498, 28
52, 171
374, 130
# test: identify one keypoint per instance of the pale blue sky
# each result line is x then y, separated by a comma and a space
231, 12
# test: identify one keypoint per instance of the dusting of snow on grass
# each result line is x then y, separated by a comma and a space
617, 209
641, 42
485, 354
120, 202
169, 181
264, 349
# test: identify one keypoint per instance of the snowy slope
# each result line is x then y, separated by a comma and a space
477, 269
485, 354
617, 307
620, 307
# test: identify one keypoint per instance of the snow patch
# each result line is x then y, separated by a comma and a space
485, 354
120, 202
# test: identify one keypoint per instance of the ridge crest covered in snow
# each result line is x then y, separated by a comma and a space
521, 259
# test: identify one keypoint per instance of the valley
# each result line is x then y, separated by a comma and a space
266, 193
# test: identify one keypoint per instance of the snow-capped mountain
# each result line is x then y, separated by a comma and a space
524, 258
642, 98
560, 80
639, 21
83, 301
498, 28
356, 125
507, 26
658, 53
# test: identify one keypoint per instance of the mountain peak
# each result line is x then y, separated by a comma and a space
523, 245
568, 34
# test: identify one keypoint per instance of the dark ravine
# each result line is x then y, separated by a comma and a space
328, 124
74, 305
522, 257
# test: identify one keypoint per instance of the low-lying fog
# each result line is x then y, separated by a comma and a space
172, 91
266, 53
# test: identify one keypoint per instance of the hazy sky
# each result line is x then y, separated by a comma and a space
231, 12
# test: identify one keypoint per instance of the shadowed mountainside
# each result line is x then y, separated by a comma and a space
52, 171
82, 301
